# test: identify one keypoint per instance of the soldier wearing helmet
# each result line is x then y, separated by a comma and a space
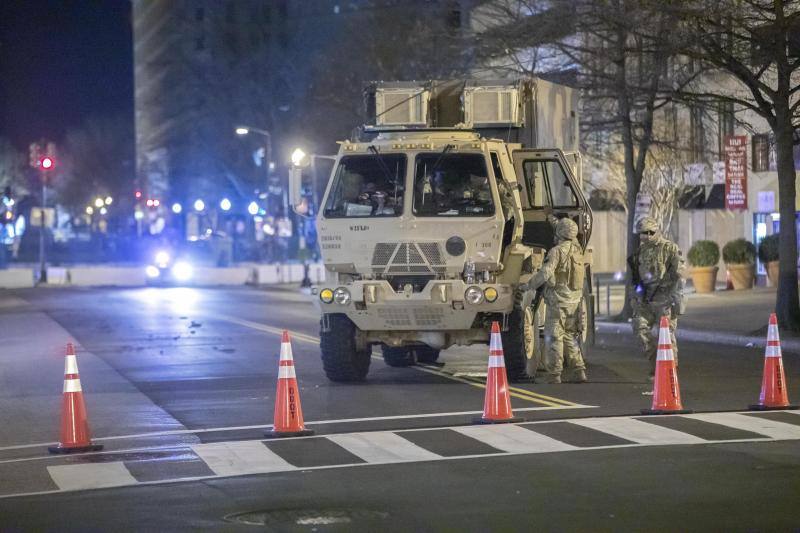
562, 275
657, 269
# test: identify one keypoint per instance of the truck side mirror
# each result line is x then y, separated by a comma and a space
295, 186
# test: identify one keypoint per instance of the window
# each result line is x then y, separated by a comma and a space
547, 184
498, 171
199, 14
368, 186
760, 147
452, 185
697, 133
725, 123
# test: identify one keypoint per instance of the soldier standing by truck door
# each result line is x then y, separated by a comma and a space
658, 287
563, 275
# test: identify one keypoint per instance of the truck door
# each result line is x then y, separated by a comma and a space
549, 188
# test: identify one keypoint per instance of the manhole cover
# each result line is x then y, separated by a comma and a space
306, 517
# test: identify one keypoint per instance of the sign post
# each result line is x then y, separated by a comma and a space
735, 148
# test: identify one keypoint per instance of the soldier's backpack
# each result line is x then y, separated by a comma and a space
577, 272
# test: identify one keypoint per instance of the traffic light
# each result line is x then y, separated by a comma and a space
47, 163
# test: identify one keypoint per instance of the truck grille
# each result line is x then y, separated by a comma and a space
407, 257
421, 317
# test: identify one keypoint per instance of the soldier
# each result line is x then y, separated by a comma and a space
658, 287
563, 274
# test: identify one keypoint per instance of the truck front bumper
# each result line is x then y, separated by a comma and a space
441, 305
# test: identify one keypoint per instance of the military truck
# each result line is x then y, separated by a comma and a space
435, 216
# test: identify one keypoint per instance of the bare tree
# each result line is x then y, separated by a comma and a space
753, 47
622, 57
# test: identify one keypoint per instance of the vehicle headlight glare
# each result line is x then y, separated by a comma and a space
152, 272
182, 271
473, 295
490, 294
341, 296
326, 295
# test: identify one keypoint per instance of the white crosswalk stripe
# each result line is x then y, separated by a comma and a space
238, 458
513, 439
638, 431
382, 447
755, 424
91, 476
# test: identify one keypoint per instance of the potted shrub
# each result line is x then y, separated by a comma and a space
768, 255
740, 260
703, 257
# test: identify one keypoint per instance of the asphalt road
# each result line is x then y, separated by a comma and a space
180, 387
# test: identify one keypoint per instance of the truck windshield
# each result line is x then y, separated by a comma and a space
367, 186
457, 186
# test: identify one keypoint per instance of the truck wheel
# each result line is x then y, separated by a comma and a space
398, 356
426, 354
519, 343
340, 358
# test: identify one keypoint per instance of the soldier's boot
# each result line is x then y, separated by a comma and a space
579, 376
553, 379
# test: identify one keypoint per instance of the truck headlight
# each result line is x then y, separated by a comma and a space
326, 295
341, 296
473, 295
490, 294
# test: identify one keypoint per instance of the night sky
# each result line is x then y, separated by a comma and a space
62, 61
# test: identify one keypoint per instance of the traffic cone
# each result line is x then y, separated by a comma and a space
288, 418
75, 435
666, 390
728, 281
773, 386
497, 405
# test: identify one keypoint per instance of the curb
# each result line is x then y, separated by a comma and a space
698, 335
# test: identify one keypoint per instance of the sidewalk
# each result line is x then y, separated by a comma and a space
736, 318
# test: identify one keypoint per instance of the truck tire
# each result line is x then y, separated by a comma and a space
340, 358
519, 343
426, 354
401, 356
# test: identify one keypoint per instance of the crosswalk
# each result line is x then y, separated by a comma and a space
237, 458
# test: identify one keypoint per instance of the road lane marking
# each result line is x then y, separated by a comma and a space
514, 439
516, 392
638, 431
239, 458
91, 476
234, 458
382, 447
754, 424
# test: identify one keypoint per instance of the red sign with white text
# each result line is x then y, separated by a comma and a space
735, 172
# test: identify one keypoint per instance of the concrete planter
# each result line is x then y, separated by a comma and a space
742, 276
704, 278
772, 268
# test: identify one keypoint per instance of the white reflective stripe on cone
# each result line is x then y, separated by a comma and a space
72, 385
772, 351
495, 343
663, 336
772, 333
286, 372
286, 351
665, 355
496, 361
70, 364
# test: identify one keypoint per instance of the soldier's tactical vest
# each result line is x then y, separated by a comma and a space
570, 272
653, 260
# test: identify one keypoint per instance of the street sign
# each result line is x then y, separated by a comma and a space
735, 148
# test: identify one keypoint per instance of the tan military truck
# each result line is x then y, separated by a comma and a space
436, 214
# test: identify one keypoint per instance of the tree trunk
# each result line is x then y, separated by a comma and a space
786, 304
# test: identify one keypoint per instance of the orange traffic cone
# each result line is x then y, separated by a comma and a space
773, 386
288, 418
75, 435
666, 390
497, 405
728, 281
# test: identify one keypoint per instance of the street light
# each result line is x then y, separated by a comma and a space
252, 208
177, 208
98, 203
199, 205
225, 204
298, 157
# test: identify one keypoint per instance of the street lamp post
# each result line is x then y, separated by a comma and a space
245, 130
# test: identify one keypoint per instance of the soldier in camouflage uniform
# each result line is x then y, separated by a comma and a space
562, 275
658, 284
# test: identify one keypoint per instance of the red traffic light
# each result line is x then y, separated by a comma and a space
138, 194
47, 163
